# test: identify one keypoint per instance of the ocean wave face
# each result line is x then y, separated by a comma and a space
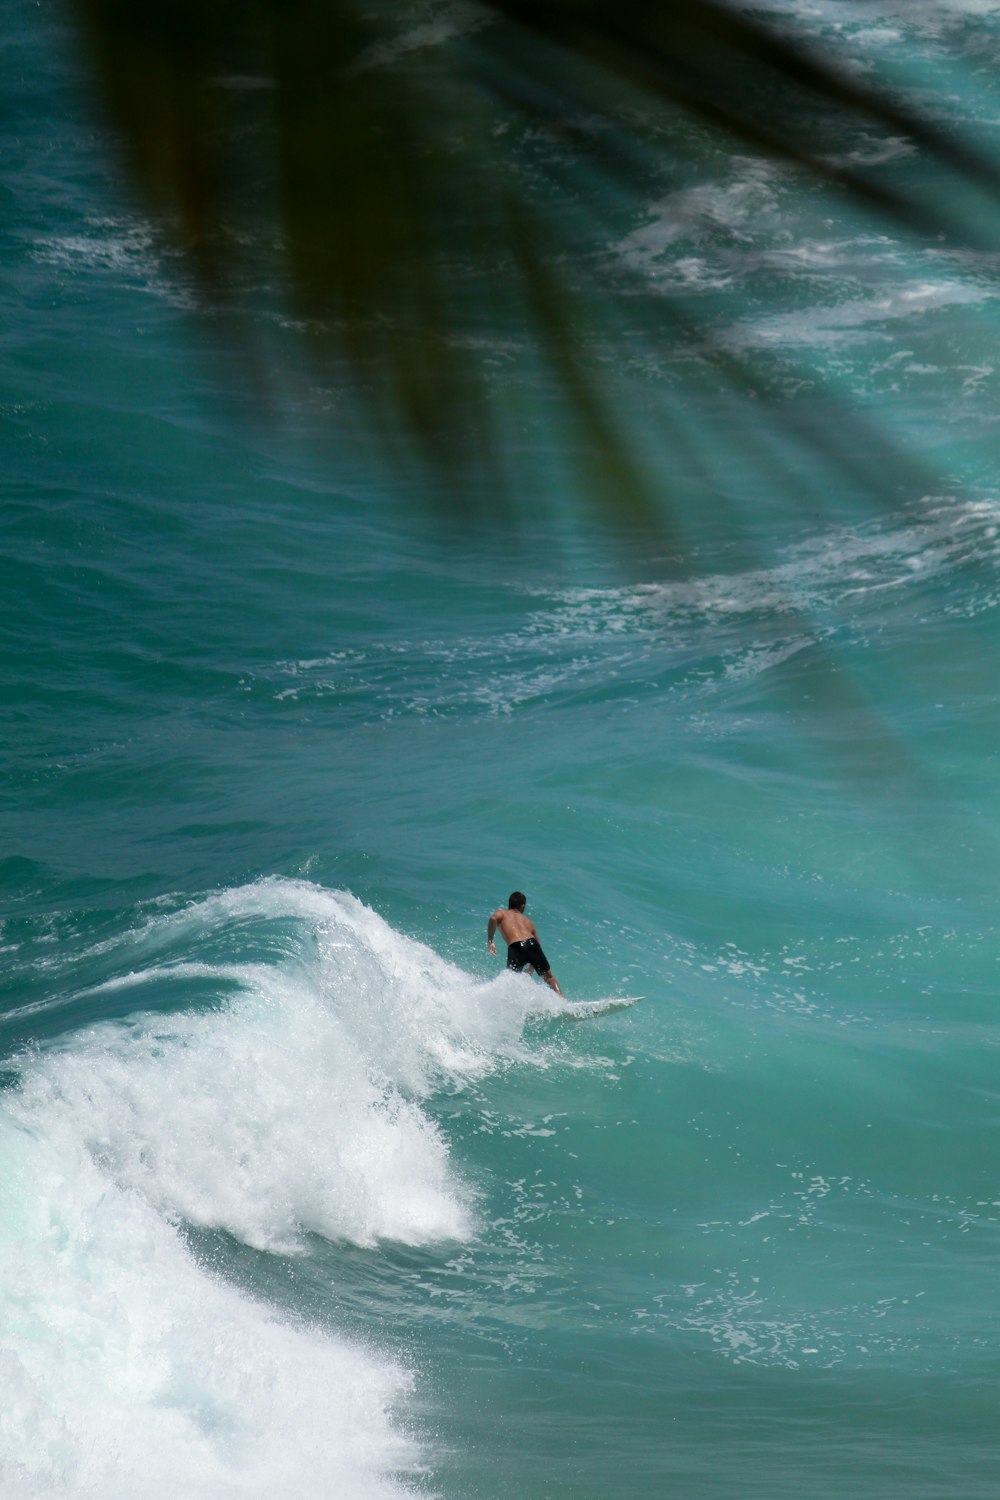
302, 1192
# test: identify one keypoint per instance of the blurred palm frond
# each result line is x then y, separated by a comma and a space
367, 157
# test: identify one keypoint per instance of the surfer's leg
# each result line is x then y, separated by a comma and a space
552, 981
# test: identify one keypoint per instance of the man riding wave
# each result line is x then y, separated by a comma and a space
524, 951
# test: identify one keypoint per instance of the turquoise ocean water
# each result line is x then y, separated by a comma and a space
301, 1194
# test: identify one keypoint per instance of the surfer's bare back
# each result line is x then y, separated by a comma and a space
524, 951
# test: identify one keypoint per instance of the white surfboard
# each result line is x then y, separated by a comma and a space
582, 1010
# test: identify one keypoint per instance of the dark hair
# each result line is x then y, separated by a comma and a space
517, 900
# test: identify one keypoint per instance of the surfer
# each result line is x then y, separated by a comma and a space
524, 951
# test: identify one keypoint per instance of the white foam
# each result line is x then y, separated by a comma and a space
284, 1096
451, 21
709, 210
819, 573
128, 1370
127, 249
856, 318
294, 1106
859, 21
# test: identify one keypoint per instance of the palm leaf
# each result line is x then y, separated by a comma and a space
402, 222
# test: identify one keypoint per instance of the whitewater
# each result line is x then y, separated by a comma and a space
289, 1108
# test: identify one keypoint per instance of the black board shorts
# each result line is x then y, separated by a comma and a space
527, 951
